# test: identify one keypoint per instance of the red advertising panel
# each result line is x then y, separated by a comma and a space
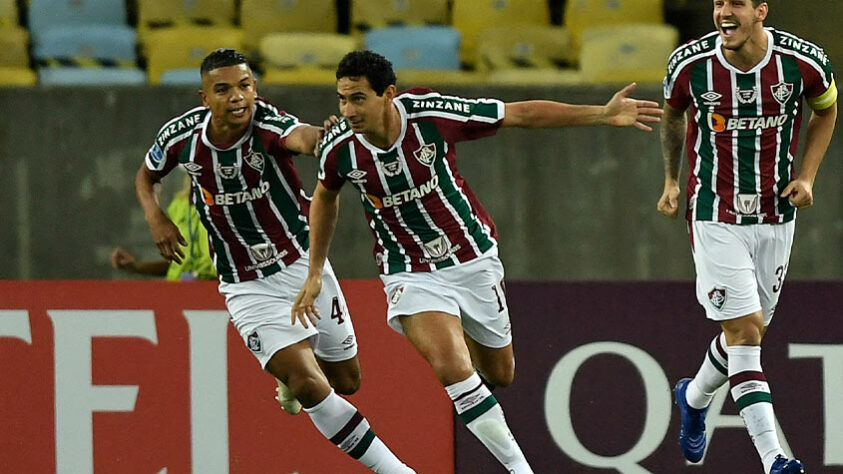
150, 377
596, 363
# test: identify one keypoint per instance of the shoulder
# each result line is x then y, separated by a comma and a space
335, 137
267, 116
421, 102
691, 52
801, 49
175, 128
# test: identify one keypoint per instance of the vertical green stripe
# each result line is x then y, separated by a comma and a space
747, 149
792, 75
705, 199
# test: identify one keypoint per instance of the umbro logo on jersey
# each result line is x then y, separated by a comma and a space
746, 96
255, 160
357, 176
228, 172
392, 169
711, 98
782, 92
193, 168
426, 154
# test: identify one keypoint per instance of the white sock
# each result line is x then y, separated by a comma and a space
343, 425
483, 416
713, 373
752, 395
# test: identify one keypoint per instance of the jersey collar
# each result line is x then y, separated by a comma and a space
718, 46
403, 117
236, 144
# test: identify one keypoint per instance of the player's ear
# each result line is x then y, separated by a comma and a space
761, 12
390, 92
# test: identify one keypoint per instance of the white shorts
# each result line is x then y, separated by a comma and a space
260, 310
472, 291
740, 268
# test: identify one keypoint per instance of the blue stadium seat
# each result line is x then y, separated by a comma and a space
417, 47
182, 77
95, 42
52, 76
48, 14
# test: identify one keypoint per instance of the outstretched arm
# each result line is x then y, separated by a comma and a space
123, 260
323, 222
673, 137
620, 111
304, 140
166, 235
820, 130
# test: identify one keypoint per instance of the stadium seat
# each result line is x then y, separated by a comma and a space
185, 47
182, 77
523, 47
471, 17
17, 77
417, 47
436, 78
303, 58
76, 76
158, 13
627, 53
8, 14
47, 14
107, 45
260, 17
368, 14
13, 47
581, 15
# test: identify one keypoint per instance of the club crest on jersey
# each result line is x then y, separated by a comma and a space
254, 342
262, 252
192, 168
748, 203
711, 98
717, 296
228, 171
746, 96
426, 154
255, 160
782, 91
357, 176
392, 169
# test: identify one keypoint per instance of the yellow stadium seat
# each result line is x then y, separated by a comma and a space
303, 58
581, 15
8, 13
17, 77
157, 13
627, 53
434, 78
519, 47
185, 47
535, 77
471, 17
13, 52
260, 17
368, 14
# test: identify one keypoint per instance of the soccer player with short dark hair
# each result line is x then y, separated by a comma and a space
435, 244
238, 150
742, 87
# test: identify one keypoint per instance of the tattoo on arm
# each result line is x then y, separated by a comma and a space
673, 138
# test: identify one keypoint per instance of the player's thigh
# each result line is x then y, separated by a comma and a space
438, 337
336, 340
726, 274
260, 311
410, 293
482, 301
771, 261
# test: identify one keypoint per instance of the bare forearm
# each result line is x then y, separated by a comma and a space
548, 114
145, 188
323, 222
672, 140
156, 268
820, 130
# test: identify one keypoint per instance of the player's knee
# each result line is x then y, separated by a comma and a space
500, 375
306, 386
346, 384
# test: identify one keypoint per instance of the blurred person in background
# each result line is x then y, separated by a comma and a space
742, 87
435, 244
196, 264
238, 150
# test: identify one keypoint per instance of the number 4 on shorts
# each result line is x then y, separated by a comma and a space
336, 311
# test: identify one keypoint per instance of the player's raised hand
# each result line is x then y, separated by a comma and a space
304, 307
669, 202
330, 122
625, 111
168, 239
799, 192
123, 260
